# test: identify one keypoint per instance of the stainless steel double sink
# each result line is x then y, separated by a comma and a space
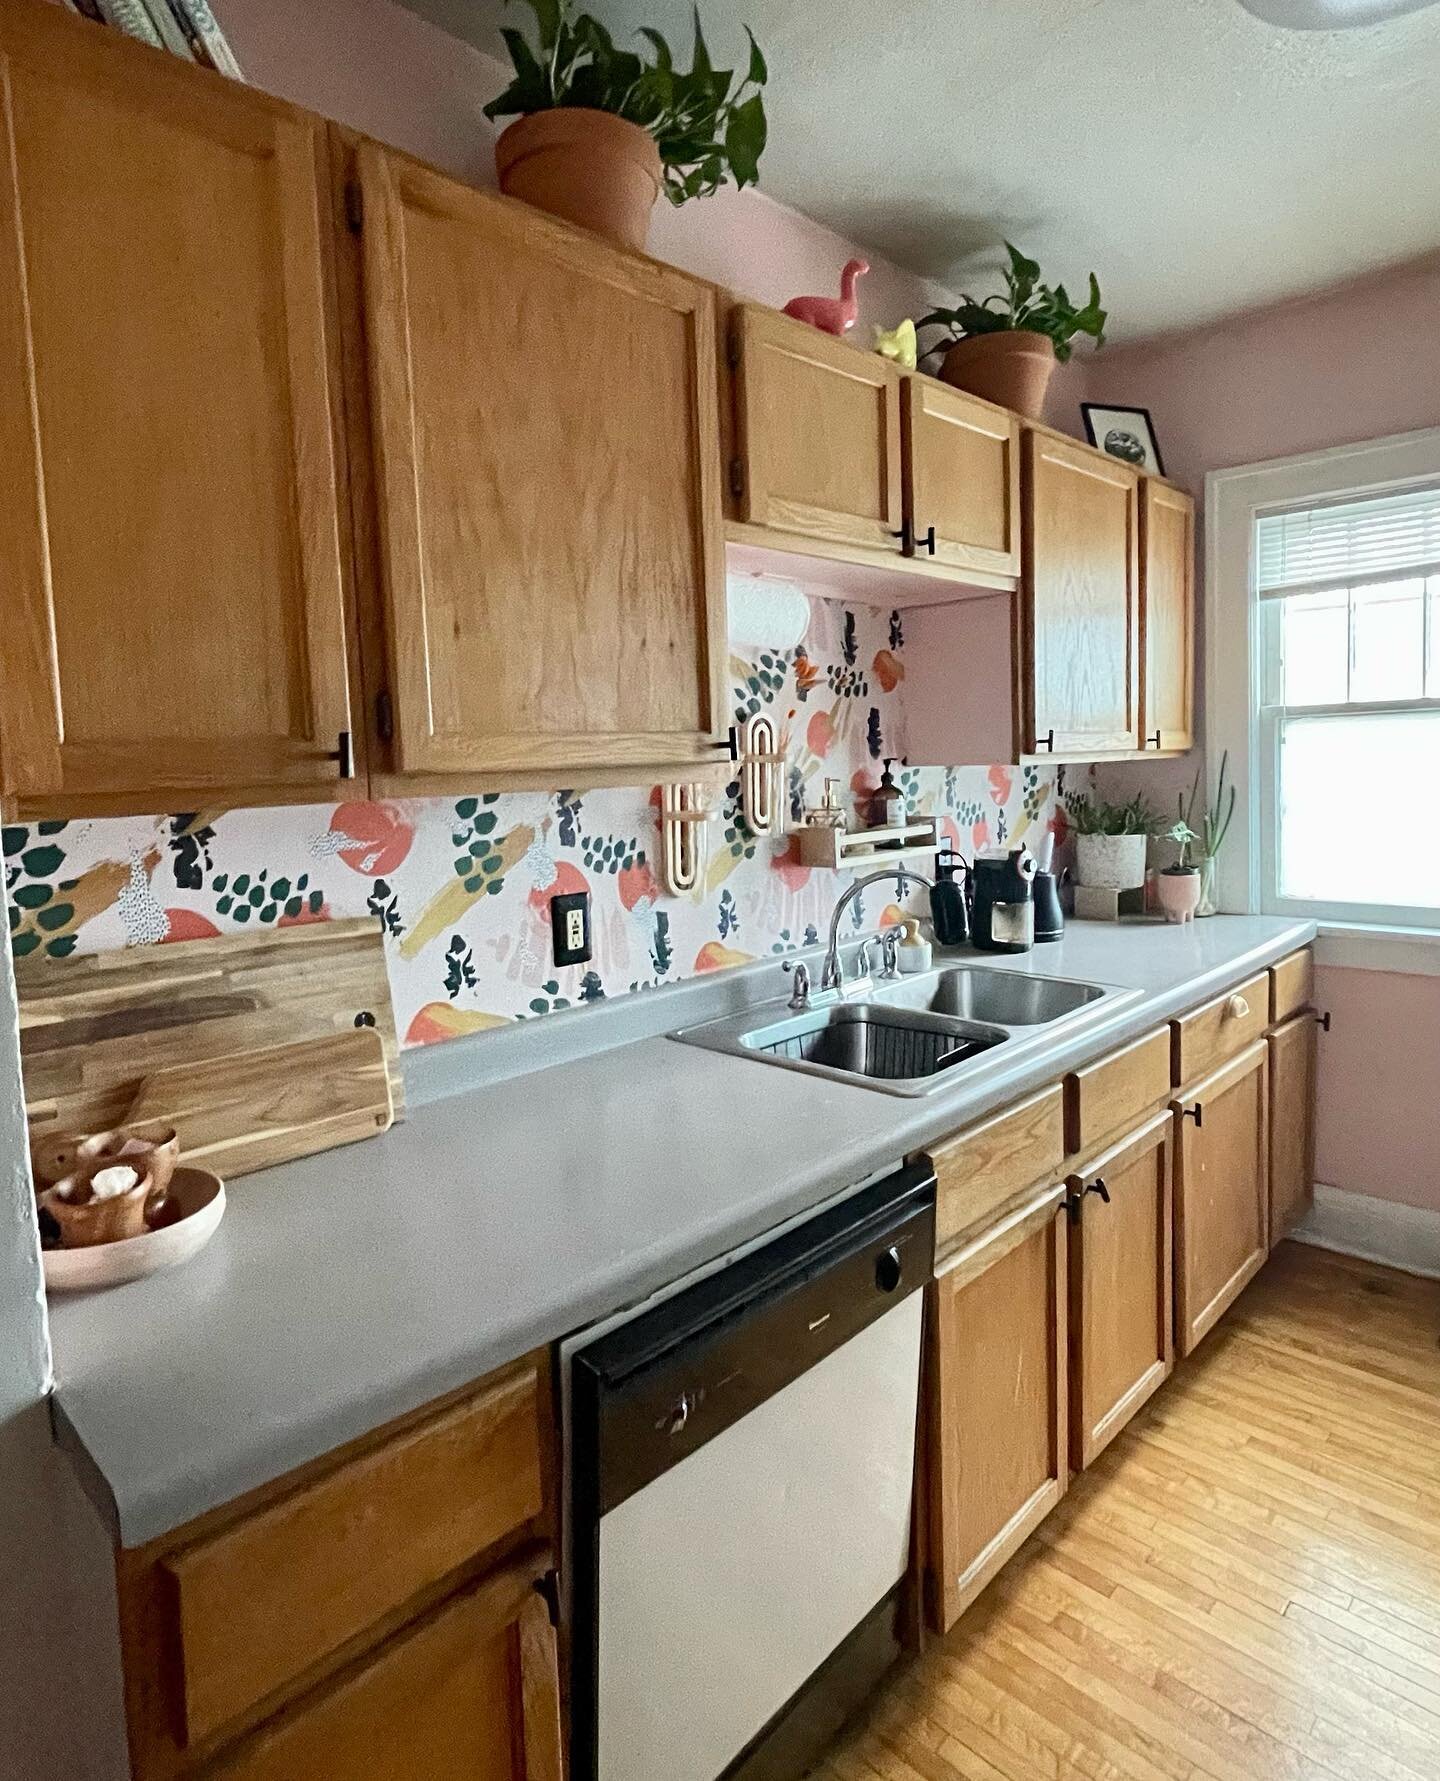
910, 1035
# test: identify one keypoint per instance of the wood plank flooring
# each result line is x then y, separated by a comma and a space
1244, 1587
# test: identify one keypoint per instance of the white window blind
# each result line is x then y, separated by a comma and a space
1348, 544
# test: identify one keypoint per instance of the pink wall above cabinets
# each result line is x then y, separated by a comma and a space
381, 70
1355, 363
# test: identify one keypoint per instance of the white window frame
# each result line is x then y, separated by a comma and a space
1389, 937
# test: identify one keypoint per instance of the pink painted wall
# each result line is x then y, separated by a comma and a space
369, 64
1356, 363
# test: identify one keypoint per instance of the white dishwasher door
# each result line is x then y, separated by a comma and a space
725, 1582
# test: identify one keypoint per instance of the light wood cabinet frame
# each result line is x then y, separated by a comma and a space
961, 459
1167, 618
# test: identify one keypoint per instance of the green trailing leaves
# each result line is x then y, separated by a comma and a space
708, 125
1026, 303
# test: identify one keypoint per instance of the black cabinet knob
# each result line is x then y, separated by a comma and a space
1046, 741
1197, 1113
906, 537
927, 540
888, 1269
1323, 1021
1153, 739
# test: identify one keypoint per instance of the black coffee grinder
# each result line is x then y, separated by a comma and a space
949, 907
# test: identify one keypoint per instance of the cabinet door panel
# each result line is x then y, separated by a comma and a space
1081, 672
1222, 1193
469, 1693
1167, 523
1122, 1344
544, 410
818, 430
962, 476
998, 1403
171, 516
1292, 1124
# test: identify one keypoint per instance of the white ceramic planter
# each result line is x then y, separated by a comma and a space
1110, 862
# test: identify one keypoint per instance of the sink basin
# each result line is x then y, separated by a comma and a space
884, 1044
910, 1035
1007, 998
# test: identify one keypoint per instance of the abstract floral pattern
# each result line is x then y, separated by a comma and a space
462, 887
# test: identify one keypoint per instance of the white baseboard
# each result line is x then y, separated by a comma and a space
1384, 1231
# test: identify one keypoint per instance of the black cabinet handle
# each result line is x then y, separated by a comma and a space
1153, 740
345, 755
1323, 1021
1046, 741
1097, 1186
1197, 1113
928, 540
1075, 1202
906, 537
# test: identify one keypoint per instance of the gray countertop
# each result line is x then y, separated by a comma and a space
350, 1288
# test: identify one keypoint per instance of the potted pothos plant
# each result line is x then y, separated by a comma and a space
1110, 842
1178, 886
601, 130
1005, 347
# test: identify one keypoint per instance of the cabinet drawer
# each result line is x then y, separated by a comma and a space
1292, 984
261, 1602
467, 1692
982, 1170
1111, 1094
1221, 1029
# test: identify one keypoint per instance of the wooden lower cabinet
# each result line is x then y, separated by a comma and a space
998, 1401
1222, 1191
1292, 1123
1122, 1344
470, 1693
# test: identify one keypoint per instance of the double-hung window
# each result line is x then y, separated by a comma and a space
1347, 640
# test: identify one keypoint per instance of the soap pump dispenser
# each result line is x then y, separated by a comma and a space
887, 807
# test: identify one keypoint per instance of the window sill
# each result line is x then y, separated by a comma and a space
1359, 946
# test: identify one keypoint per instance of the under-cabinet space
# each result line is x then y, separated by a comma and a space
959, 681
1079, 681
1122, 1340
1293, 1050
550, 521
1222, 1192
998, 1401
178, 620
1167, 542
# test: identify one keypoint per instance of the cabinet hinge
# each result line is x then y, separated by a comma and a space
384, 717
354, 206
737, 478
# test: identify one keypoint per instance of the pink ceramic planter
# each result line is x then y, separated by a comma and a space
1178, 894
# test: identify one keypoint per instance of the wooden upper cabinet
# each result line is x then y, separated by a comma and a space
1167, 533
175, 621
544, 414
1080, 669
962, 477
817, 433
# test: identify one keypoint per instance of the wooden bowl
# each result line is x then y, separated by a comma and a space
85, 1222
197, 1196
59, 1156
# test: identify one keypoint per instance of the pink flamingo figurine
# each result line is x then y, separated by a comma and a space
832, 315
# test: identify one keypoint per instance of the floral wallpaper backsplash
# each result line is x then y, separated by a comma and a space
462, 886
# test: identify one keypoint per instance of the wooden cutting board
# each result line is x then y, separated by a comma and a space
255, 1108
92, 1029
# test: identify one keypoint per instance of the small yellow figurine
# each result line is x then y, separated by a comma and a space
898, 344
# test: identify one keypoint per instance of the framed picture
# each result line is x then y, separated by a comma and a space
1126, 433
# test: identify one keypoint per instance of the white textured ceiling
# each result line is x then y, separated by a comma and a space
1201, 160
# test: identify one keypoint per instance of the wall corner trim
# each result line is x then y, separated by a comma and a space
1384, 1231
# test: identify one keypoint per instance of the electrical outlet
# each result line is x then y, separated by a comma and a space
570, 925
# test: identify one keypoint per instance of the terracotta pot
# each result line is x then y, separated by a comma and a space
1178, 894
588, 167
1013, 368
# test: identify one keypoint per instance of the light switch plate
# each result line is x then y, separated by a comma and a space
570, 926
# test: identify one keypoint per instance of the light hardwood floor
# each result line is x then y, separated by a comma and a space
1245, 1586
